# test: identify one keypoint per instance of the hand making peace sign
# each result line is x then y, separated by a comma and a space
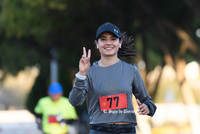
84, 62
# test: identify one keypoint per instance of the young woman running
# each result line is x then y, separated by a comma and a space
109, 84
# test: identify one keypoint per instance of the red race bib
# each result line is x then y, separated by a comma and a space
52, 119
111, 102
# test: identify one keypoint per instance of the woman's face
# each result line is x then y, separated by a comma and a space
108, 44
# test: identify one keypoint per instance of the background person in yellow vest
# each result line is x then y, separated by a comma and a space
56, 111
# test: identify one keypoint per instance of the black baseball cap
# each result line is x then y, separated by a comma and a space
108, 27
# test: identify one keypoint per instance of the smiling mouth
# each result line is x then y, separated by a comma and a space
108, 48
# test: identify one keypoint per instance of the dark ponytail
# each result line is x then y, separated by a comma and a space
127, 49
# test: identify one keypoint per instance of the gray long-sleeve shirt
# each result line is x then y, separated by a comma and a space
119, 78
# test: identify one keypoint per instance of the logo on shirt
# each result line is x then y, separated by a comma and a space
111, 86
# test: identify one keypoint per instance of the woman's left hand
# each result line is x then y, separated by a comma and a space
143, 108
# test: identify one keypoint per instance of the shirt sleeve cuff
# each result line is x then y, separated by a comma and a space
152, 107
80, 76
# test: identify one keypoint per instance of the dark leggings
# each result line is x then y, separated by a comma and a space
112, 129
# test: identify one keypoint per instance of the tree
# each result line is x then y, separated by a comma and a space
29, 29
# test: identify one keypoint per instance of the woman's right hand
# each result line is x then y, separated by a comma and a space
84, 63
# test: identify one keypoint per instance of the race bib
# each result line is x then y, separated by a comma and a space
112, 102
52, 119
